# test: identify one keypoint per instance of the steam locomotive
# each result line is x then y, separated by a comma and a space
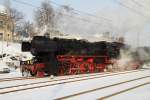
70, 56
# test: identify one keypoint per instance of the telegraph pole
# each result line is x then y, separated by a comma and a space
2, 43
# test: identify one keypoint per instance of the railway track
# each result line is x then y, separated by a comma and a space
58, 82
53, 80
123, 91
105, 87
16, 78
26, 78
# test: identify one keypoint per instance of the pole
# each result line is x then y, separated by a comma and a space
138, 39
2, 44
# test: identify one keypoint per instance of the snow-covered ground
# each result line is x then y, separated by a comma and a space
13, 49
11, 54
10, 48
13, 73
60, 90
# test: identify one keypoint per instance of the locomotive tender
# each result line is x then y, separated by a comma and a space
70, 56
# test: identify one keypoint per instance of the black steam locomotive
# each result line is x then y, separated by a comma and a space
70, 56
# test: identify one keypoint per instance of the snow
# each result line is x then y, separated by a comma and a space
10, 48
13, 50
13, 73
60, 90
141, 93
146, 66
104, 92
17, 82
3, 65
3, 9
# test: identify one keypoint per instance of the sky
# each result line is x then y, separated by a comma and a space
82, 5
124, 21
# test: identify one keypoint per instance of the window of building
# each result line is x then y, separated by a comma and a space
1, 36
8, 27
1, 24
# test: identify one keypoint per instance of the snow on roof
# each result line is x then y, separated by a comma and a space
70, 37
3, 9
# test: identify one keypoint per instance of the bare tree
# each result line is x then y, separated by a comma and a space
15, 16
28, 27
45, 15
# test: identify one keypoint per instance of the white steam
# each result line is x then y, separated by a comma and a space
131, 23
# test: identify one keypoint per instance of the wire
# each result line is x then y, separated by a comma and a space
131, 9
31, 5
137, 3
106, 19
28, 4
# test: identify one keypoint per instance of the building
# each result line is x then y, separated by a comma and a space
5, 25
